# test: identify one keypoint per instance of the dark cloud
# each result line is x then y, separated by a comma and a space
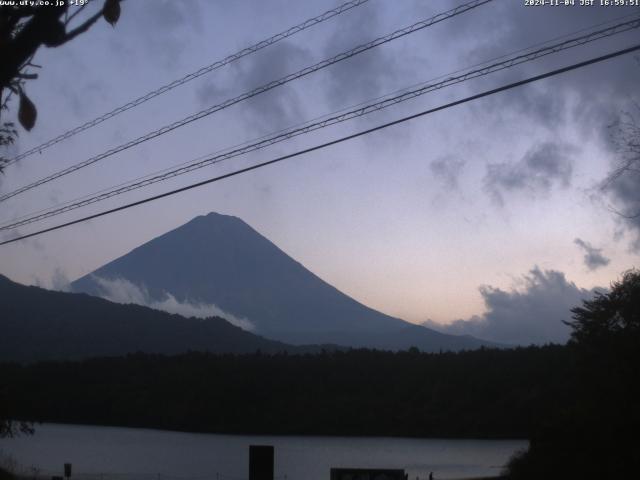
600, 90
364, 76
164, 29
279, 107
211, 93
532, 315
593, 257
543, 166
447, 169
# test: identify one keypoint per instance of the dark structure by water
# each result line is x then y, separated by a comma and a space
367, 474
261, 462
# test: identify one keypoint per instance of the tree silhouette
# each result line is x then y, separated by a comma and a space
594, 434
10, 428
23, 30
610, 319
625, 137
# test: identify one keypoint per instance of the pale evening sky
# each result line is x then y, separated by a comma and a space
422, 221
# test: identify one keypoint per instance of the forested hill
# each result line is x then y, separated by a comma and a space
483, 393
38, 324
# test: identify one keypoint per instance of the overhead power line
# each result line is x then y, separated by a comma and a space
334, 142
423, 89
192, 76
257, 91
157, 173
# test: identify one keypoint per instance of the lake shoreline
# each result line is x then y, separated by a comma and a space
150, 454
271, 434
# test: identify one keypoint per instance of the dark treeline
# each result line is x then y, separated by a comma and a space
593, 432
483, 394
577, 404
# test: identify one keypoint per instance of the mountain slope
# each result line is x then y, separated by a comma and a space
219, 259
38, 324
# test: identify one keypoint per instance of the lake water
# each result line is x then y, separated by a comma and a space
107, 453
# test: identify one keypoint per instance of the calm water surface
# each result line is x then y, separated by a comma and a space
108, 453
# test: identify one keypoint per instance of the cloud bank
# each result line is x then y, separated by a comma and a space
123, 291
542, 167
532, 314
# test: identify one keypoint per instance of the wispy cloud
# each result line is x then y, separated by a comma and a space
120, 290
593, 257
542, 167
447, 169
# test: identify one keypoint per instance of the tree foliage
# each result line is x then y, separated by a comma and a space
24, 28
611, 319
11, 428
624, 180
594, 434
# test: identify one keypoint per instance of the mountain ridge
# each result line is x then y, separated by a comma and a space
38, 324
221, 260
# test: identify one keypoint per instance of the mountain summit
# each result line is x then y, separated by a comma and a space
220, 260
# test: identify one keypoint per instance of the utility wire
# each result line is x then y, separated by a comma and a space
341, 110
192, 76
257, 91
325, 122
335, 142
